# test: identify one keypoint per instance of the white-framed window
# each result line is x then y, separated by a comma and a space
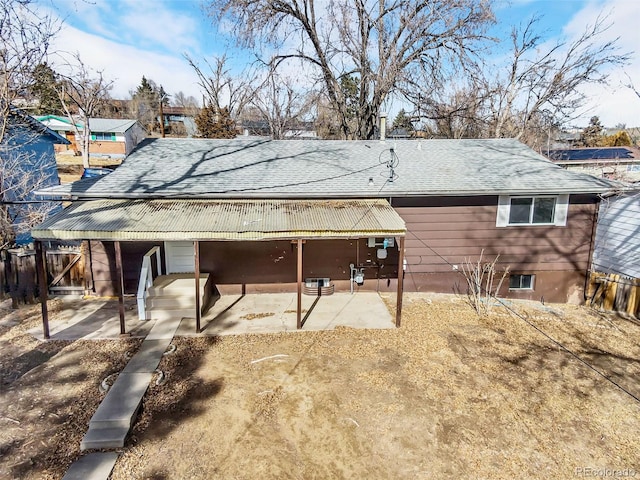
518, 281
103, 136
532, 210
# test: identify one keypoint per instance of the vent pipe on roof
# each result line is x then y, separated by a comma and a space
383, 126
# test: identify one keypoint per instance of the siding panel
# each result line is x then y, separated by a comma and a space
617, 244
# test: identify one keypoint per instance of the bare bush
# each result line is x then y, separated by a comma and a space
481, 282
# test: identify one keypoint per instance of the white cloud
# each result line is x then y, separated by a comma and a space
614, 103
126, 64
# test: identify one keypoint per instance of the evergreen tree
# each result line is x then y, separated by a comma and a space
591, 135
145, 103
403, 120
212, 124
44, 89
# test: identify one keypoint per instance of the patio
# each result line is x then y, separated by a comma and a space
97, 319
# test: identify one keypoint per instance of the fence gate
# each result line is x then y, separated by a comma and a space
19, 279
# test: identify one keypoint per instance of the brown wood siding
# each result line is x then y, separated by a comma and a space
275, 262
103, 267
441, 237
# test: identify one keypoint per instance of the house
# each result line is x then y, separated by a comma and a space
620, 163
180, 121
27, 163
263, 215
617, 242
111, 138
616, 253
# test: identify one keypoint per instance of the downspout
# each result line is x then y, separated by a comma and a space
591, 248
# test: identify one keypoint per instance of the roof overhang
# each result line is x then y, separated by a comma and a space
222, 220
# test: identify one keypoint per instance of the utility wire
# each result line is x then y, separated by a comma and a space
535, 327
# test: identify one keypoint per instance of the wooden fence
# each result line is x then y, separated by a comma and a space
615, 293
19, 279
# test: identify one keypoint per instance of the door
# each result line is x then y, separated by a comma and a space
180, 257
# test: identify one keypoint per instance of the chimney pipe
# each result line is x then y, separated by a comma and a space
383, 126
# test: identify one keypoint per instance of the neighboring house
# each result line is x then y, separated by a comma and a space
615, 280
180, 120
249, 204
619, 163
111, 138
28, 163
617, 243
261, 128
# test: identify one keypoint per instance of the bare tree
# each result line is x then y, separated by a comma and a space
221, 88
25, 35
281, 105
376, 42
188, 102
535, 92
26, 165
83, 90
631, 86
550, 80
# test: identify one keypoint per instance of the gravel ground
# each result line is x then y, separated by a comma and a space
447, 395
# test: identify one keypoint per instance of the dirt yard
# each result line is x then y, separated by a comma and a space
48, 393
448, 395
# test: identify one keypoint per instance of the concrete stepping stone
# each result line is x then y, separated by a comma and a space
94, 466
148, 356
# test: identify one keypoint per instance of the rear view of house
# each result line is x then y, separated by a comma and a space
244, 205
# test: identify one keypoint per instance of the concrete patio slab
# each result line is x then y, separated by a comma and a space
276, 312
92, 319
94, 466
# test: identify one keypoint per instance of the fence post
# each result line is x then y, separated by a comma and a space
42, 280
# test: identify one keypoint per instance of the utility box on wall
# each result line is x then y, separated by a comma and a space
381, 242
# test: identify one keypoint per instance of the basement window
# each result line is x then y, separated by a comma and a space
521, 282
532, 210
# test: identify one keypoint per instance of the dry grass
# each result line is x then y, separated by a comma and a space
448, 395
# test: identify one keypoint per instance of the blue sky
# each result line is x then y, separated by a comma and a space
131, 38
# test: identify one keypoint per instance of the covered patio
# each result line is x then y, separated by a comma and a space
199, 221
97, 319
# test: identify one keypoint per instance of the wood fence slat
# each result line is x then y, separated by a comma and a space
18, 276
611, 290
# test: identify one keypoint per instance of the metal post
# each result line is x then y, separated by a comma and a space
400, 282
196, 247
41, 268
123, 330
299, 310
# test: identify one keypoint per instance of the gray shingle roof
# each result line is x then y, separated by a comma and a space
239, 168
108, 125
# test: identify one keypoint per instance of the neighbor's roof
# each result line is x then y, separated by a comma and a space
37, 126
579, 156
106, 125
110, 125
222, 220
264, 168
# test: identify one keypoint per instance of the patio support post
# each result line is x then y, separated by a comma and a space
299, 309
196, 248
41, 268
400, 282
123, 330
